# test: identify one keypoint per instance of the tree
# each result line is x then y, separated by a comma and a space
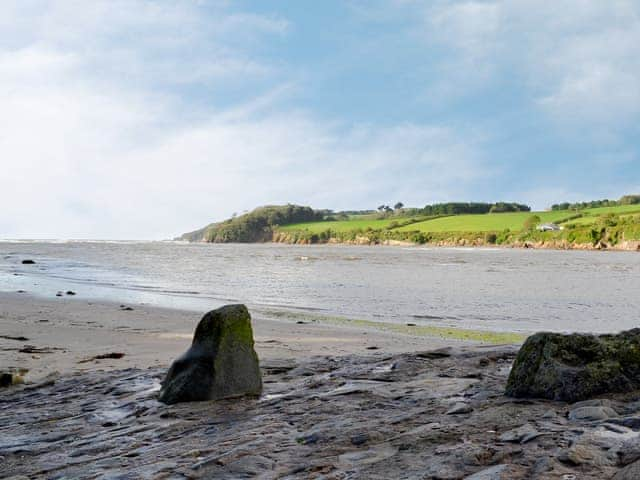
398, 206
531, 222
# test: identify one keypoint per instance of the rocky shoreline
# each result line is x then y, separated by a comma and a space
438, 414
626, 245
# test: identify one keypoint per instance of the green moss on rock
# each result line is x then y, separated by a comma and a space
221, 362
576, 366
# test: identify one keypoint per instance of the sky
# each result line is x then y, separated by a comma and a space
145, 119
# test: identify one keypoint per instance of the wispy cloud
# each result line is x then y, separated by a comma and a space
144, 119
575, 59
98, 142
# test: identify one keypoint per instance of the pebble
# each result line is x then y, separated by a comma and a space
359, 439
459, 408
523, 434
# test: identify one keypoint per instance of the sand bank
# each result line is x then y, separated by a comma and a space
65, 332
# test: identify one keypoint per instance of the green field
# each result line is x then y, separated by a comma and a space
343, 225
620, 209
491, 222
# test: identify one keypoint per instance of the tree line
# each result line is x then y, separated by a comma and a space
457, 208
624, 200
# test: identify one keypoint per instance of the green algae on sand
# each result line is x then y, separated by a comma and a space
454, 333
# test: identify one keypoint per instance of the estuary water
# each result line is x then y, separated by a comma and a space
489, 289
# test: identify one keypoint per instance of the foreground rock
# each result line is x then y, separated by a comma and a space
221, 362
576, 366
369, 417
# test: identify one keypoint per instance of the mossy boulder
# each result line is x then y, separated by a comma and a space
577, 366
221, 362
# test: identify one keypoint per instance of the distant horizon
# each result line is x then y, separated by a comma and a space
145, 119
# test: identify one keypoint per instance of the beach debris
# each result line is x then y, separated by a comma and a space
8, 378
103, 356
28, 262
435, 354
17, 339
34, 349
577, 366
221, 362
125, 308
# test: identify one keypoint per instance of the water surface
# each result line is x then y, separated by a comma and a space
494, 289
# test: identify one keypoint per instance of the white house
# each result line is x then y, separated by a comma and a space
548, 227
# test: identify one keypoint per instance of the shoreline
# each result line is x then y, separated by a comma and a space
624, 246
66, 334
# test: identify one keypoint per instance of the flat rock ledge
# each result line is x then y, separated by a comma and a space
426, 415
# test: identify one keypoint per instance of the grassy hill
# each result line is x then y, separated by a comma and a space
459, 223
589, 226
601, 225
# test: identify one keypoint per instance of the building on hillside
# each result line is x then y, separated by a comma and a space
548, 227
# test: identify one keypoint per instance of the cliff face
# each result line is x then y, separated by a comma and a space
199, 235
255, 226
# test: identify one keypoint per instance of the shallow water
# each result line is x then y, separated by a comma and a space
496, 289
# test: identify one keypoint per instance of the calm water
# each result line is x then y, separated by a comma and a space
514, 290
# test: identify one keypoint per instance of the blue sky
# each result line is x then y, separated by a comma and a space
144, 119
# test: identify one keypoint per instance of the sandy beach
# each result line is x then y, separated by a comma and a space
67, 332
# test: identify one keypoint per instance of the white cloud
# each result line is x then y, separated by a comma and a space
575, 59
95, 142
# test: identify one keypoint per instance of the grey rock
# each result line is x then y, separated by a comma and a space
309, 438
460, 408
598, 447
577, 366
221, 362
522, 434
629, 422
629, 451
595, 402
592, 413
359, 438
251, 465
630, 472
491, 473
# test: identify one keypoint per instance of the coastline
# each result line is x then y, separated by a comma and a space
66, 333
479, 242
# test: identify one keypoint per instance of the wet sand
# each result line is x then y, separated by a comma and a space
67, 331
